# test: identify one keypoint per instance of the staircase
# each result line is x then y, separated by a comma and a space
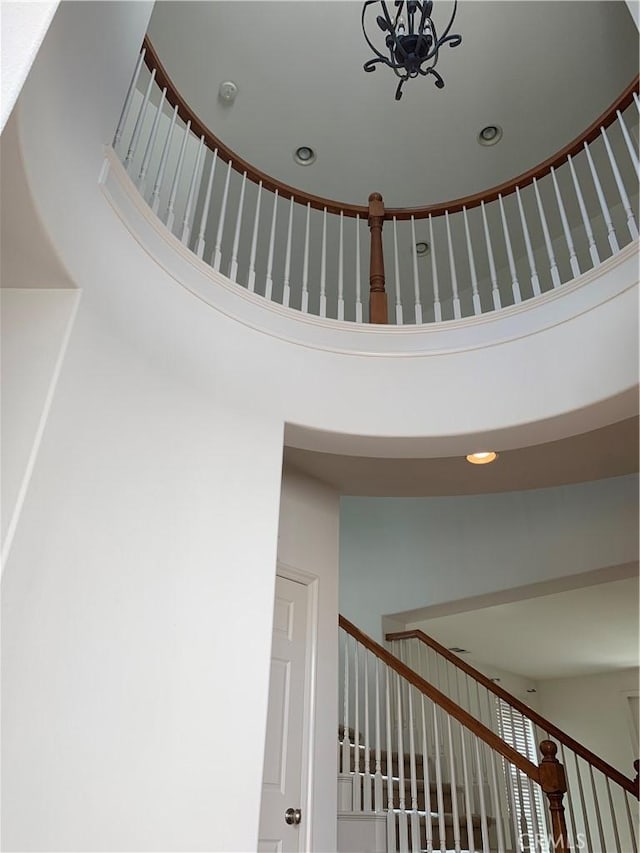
427, 766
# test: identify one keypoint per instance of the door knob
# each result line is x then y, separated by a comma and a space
293, 817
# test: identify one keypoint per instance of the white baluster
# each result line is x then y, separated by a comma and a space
357, 779
151, 142
251, 280
495, 293
341, 270
205, 208
377, 781
553, 267
124, 115
366, 782
573, 260
402, 819
477, 307
396, 265
497, 806
233, 266
416, 281
305, 266
596, 805
467, 793
415, 824
437, 309
484, 826
439, 794
624, 198
323, 267
217, 252
454, 789
593, 249
133, 144
535, 283
452, 266
286, 290
604, 207
358, 281
585, 815
614, 821
572, 817
186, 221
632, 823
426, 778
637, 100
391, 823
155, 195
515, 285
630, 146
346, 744
170, 216
272, 243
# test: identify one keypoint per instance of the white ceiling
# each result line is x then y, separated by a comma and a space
577, 632
541, 70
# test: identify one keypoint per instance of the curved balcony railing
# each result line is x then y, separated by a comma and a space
461, 259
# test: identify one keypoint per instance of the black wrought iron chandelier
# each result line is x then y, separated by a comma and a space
412, 41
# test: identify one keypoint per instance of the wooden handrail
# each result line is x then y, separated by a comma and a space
152, 60
534, 716
448, 705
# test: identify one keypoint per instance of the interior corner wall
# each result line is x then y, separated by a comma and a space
136, 614
400, 554
308, 541
581, 705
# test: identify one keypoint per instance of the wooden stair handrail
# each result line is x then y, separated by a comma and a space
546, 725
173, 96
463, 717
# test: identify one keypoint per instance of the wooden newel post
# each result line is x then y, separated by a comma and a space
554, 783
636, 781
377, 295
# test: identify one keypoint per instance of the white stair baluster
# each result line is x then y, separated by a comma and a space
391, 821
124, 115
454, 789
151, 142
535, 283
593, 249
217, 252
286, 291
366, 803
305, 265
439, 795
572, 817
614, 821
437, 309
268, 289
377, 782
624, 198
553, 267
205, 209
170, 215
251, 280
137, 130
467, 792
341, 270
358, 280
233, 265
632, 824
484, 825
415, 823
495, 293
633, 153
452, 266
402, 817
155, 195
416, 280
346, 744
515, 284
357, 779
186, 220
585, 815
396, 267
497, 806
323, 267
573, 260
604, 207
477, 307
426, 778
596, 805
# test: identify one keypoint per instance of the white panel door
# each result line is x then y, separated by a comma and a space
282, 779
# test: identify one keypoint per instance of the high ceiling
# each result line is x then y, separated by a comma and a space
543, 71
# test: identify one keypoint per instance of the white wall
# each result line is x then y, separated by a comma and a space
401, 554
308, 541
594, 710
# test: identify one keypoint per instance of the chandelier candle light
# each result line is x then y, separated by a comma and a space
411, 39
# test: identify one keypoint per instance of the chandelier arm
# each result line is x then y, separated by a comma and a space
450, 24
439, 80
454, 40
382, 57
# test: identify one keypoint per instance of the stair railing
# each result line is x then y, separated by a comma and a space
602, 803
463, 258
445, 780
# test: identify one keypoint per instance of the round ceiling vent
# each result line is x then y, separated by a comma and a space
490, 135
304, 156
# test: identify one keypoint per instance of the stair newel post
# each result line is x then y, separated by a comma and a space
636, 781
554, 784
377, 295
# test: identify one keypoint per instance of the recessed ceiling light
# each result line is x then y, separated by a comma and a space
304, 156
228, 91
482, 458
422, 248
490, 135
